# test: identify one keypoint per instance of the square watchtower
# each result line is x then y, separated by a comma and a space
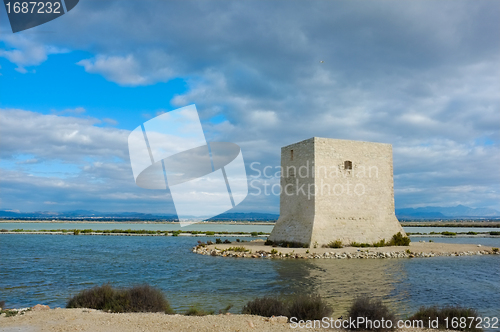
335, 189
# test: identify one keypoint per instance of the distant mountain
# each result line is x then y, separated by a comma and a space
246, 216
439, 212
83, 214
428, 212
90, 214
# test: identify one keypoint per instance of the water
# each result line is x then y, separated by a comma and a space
49, 269
138, 226
427, 230
226, 227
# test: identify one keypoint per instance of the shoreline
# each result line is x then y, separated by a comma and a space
458, 224
60, 319
202, 234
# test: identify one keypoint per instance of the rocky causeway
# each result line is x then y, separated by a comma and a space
257, 249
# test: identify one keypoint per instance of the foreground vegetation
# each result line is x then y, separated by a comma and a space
301, 307
136, 299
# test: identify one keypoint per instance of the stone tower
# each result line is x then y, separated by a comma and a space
335, 189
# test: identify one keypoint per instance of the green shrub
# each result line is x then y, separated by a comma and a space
225, 310
210, 233
495, 233
274, 251
266, 307
451, 313
237, 249
360, 245
195, 311
254, 234
495, 250
136, 299
176, 233
380, 243
9, 312
472, 233
286, 244
218, 241
76, 232
335, 244
372, 310
399, 240
449, 233
309, 307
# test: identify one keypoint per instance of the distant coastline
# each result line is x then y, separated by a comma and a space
406, 223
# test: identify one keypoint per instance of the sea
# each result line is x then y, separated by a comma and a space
50, 269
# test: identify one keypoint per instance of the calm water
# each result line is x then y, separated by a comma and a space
49, 269
203, 227
139, 226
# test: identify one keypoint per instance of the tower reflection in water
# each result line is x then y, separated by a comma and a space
340, 281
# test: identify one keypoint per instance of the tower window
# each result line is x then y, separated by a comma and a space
291, 154
347, 165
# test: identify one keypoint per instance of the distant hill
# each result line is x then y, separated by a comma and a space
439, 212
125, 216
428, 212
84, 214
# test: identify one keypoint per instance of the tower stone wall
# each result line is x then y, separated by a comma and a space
336, 190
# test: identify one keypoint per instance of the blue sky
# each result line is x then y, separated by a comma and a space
422, 76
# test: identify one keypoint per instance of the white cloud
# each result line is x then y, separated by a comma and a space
393, 72
26, 52
126, 70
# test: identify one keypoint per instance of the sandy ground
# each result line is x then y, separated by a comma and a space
64, 320
416, 247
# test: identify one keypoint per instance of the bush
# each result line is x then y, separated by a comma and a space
370, 309
335, 244
495, 250
494, 233
360, 245
210, 233
380, 243
176, 233
218, 241
266, 307
286, 244
399, 240
254, 234
237, 249
309, 307
76, 232
303, 307
431, 313
195, 311
136, 299
449, 233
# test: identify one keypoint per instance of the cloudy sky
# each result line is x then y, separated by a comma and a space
423, 76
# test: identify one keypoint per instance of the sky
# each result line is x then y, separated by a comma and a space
423, 76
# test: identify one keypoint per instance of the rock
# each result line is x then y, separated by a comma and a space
478, 245
279, 320
250, 324
40, 307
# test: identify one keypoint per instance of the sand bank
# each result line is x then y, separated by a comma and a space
64, 320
